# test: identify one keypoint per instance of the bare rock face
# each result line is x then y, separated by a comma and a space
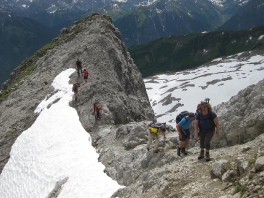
114, 80
241, 118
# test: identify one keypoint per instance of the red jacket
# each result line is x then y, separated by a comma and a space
85, 73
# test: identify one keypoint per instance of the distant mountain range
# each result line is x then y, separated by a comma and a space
19, 38
177, 53
136, 18
139, 21
248, 16
168, 18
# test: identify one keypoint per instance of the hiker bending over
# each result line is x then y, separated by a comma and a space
78, 66
98, 110
85, 74
207, 122
154, 133
183, 128
75, 87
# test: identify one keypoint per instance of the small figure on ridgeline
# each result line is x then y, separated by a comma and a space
85, 74
78, 66
98, 110
75, 88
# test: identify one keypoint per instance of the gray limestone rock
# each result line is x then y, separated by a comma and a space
241, 118
219, 167
259, 164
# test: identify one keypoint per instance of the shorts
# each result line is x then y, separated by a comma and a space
185, 135
85, 77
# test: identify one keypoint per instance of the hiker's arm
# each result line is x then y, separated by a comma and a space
178, 126
196, 122
217, 126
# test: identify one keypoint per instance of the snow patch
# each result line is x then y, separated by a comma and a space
261, 37
55, 147
219, 81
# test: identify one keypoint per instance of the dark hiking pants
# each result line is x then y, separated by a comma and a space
205, 138
79, 71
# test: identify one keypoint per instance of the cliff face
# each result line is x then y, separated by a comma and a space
241, 118
114, 80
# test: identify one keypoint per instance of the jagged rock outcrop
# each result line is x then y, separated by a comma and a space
114, 80
241, 118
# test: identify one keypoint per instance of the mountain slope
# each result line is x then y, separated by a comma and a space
19, 39
248, 16
167, 18
114, 80
189, 51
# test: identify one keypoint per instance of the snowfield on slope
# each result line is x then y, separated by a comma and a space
55, 148
169, 94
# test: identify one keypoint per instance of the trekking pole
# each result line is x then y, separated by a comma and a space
197, 141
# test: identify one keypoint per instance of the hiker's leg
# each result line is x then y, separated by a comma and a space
75, 95
202, 138
156, 142
182, 143
149, 140
187, 136
97, 114
186, 143
208, 137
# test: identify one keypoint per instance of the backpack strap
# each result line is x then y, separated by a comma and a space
186, 119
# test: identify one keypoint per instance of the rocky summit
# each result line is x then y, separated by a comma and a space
237, 165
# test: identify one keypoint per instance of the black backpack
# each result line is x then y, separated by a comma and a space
181, 115
157, 125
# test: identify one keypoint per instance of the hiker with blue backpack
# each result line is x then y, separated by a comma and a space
183, 128
206, 121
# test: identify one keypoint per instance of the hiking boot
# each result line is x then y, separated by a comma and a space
207, 156
183, 151
76, 99
157, 151
201, 156
179, 151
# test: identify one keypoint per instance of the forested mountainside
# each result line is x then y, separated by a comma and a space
188, 51
20, 38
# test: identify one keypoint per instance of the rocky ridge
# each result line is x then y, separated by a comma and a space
114, 80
